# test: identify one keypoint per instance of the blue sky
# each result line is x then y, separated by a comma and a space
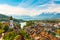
10, 2
28, 3
28, 7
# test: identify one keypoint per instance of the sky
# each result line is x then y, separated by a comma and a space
28, 7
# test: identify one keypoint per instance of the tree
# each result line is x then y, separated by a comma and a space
5, 28
1, 31
29, 23
24, 34
0, 25
9, 36
19, 37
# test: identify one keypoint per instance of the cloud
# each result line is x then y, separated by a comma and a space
17, 10
6, 9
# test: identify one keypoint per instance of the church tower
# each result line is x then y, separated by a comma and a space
11, 22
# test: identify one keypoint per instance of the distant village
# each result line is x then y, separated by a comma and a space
44, 31
37, 31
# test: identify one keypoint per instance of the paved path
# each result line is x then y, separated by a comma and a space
1, 38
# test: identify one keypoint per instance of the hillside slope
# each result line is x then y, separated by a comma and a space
7, 18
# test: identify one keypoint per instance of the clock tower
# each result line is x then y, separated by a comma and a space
11, 22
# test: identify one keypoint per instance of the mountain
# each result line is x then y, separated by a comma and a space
48, 16
23, 17
7, 18
42, 16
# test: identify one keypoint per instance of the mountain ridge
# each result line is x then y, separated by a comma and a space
42, 16
7, 18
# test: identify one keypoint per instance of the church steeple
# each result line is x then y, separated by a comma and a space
11, 18
11, 22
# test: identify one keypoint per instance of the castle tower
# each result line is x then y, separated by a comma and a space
11, 22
